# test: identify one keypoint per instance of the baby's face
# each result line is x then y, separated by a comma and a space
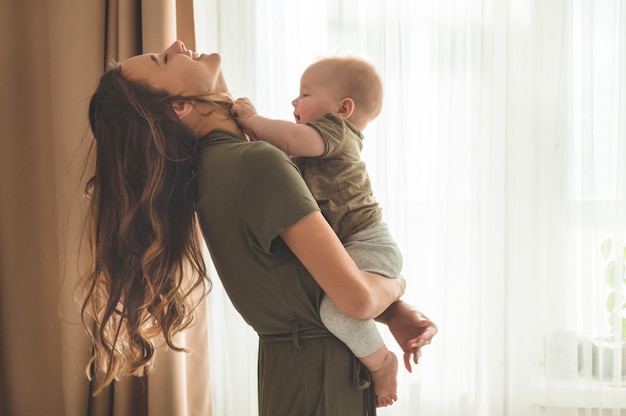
318, 95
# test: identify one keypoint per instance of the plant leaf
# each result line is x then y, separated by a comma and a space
605, 248
609, 274
610, 302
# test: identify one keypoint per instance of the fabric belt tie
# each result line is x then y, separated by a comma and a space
297, 334
363, 380
360, 375
294, 335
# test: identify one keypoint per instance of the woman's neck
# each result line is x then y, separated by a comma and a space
225, 124
217, 120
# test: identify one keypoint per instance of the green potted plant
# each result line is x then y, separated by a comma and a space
604, 347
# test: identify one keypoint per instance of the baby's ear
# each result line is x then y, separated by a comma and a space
346, 107
182, 109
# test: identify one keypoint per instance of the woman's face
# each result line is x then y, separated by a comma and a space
178, 71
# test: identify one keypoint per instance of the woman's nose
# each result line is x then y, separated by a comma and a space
177, 47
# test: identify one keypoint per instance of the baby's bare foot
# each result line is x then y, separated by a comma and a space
383, 366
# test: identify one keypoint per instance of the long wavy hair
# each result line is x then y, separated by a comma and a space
147, 260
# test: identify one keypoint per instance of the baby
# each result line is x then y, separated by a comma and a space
339, 96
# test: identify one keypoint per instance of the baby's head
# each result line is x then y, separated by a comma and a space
355, 78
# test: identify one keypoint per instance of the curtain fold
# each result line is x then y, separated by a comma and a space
54, 53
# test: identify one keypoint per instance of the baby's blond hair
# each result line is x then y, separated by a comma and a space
357, 79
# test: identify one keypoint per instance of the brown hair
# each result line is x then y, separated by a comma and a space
147, 259
358, 79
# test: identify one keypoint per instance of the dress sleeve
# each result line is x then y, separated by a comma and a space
334, 131
272, 194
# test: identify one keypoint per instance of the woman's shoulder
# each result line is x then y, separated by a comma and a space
223, 144
263, 152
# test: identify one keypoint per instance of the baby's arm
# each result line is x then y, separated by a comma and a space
293, 139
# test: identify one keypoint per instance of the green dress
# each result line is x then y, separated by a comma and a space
248, 193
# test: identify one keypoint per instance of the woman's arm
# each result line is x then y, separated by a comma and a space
357, 294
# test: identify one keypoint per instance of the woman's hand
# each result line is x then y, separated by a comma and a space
411, 329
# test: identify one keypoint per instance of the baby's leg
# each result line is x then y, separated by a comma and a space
383, 366
373, 250
364, 340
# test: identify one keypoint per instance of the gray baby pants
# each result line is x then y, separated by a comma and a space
373, 250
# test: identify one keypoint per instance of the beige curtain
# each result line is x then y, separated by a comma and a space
52, 55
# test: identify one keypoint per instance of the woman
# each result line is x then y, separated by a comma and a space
166, 145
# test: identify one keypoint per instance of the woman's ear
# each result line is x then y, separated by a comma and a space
346, 107
182, 109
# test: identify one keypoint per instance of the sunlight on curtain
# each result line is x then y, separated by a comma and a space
500, 162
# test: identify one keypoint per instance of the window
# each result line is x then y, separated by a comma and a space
500, 162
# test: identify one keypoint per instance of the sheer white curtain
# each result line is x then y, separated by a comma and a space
500, 161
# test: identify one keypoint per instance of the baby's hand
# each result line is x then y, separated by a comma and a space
242, 109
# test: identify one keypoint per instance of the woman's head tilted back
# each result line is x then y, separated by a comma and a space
146, 251
179, 71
